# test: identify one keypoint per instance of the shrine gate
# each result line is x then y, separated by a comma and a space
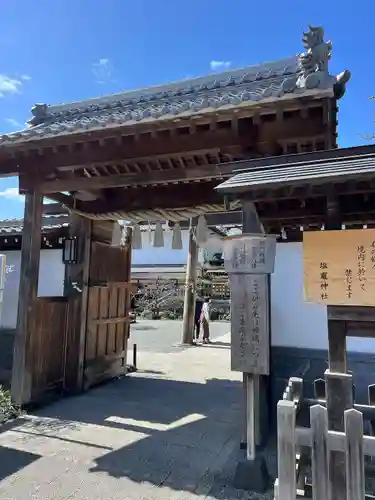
153, 154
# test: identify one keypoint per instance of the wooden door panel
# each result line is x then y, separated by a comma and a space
107, 331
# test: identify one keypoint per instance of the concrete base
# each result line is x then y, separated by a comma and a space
252, 475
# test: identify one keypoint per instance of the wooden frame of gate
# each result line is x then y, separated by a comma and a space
154, 154
80, 339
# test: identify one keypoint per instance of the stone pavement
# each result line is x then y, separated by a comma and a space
169, 431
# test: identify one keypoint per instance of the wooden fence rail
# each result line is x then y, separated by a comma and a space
322, 441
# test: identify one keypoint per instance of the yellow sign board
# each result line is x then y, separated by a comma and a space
339, 267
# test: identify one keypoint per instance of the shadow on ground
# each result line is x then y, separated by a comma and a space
216, 344
12, 461
187, 430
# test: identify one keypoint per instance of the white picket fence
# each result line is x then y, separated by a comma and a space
322, 441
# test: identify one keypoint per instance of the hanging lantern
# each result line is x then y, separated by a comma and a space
158, 235
70, 250
137, 237
177, 237
201, 233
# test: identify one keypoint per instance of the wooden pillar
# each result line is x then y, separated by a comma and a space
255, 386
339, 386
76, 289
128, 251
23, 342
190, 284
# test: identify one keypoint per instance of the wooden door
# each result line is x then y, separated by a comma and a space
108, 322
107, 332
48, 344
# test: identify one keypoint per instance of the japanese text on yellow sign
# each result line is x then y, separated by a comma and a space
339, 267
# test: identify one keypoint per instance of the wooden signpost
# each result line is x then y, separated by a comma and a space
249, 259
249, 324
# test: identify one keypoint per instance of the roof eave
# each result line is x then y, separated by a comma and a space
313, 93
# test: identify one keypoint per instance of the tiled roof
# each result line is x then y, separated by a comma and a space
314, 172
187, 97
50, 222
304, 74
243, 87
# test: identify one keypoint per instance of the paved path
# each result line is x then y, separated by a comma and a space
167, 432
165, 335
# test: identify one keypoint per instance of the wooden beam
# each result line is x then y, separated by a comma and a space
183, 195
94, 153
22, 382
54, 209
76, 289
61, 199
358, 186
144, 178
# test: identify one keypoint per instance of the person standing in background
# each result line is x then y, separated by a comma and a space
197, 316
205, 320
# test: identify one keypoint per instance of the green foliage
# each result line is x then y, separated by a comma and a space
7, 409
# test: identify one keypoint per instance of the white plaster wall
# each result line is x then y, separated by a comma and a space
51, 282
148, 255
295, 322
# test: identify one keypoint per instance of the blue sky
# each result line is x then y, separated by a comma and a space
64, 50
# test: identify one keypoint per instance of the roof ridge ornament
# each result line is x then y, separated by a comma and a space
313, 65
314, 62
40, 113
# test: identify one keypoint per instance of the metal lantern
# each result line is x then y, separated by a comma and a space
70, 250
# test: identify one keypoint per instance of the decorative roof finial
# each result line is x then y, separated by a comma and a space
39, 112
313, 66
314, 62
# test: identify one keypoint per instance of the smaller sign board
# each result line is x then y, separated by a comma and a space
249, 324
250, 254
339, 267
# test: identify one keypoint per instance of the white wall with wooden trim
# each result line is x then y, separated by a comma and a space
148, 254
295, 323
51, 281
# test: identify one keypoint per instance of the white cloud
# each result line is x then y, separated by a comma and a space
102, 70
11, 194
219, 65
26, 78
13, 123
103, 61
9, 85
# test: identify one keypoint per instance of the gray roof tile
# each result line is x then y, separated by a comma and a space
312, 172
50, 222
204, 94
